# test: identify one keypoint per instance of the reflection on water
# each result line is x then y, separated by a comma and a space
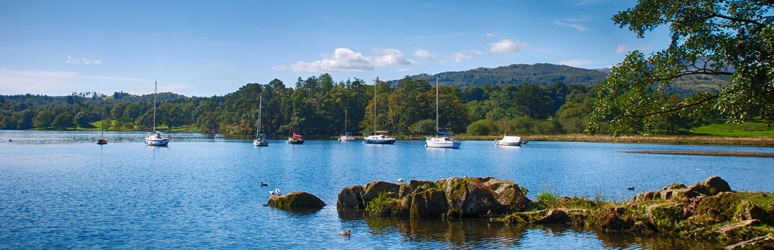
481, 233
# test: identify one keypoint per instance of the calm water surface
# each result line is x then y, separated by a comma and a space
60, 190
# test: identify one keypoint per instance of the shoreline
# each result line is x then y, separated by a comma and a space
660, 139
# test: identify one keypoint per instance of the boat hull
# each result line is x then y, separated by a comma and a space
102, 141
379, 141
509, 143
442, 143
260, 143
295, 141
346, 139
157, 142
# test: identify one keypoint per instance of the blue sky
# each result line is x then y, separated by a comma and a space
205, 48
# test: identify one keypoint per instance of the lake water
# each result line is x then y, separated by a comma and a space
61, 190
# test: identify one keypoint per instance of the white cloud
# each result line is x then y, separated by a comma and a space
459, 56
82, 60
424, 54
344, 59
281, 67
505, 46
490, 35
576, 62
579, 27
390, 57
626, 48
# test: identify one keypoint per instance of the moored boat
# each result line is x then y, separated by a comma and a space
156, 138
260, 138
444, 141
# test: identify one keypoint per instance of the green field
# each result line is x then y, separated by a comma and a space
747, 129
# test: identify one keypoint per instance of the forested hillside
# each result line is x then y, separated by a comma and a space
539, 74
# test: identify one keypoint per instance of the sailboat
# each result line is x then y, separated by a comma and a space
440, 142
102, 140
294, 138
347, 137
155, 139
379, 137
260, 138
509, 140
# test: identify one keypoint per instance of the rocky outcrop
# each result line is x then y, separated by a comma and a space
710, 186
296, 200
456, 197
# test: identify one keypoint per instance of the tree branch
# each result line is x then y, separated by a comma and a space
677, 107
702, 72
741, 20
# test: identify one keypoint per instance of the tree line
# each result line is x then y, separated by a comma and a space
316, 106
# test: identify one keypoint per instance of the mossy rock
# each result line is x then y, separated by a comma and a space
296, 200
666, 217
429, 204
722, 207
350, 198
376, 188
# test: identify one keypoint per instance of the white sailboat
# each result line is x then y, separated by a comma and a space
156, 139
440, 142
260, 138
509, 140
379, 137
102, 140
347, 136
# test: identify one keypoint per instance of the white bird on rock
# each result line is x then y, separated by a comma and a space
271, 192
277, 191
400, 180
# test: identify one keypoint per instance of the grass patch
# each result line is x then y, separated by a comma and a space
747, 129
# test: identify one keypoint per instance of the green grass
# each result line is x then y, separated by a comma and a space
747, 129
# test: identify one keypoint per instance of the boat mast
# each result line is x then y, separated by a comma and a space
345, 121
103, 125
260, 103
155, 90
375, 83
436, 107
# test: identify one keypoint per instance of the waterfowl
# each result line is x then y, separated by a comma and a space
277, 191
264, 184
631, 188
346, 233
400, 180
271, 192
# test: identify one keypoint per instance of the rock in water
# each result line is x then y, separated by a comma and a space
350, 197
296, 200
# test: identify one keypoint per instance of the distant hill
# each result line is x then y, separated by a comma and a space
545, 74
540, 74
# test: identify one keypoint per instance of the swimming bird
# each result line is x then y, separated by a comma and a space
264, 184
400, 180
631, 188
346, 233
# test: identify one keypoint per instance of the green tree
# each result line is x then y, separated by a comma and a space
714, 37
63, 121
82, 120
44, 119
483, 127
531, 101
25, 120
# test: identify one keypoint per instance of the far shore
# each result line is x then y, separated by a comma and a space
672, 139
647, 139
